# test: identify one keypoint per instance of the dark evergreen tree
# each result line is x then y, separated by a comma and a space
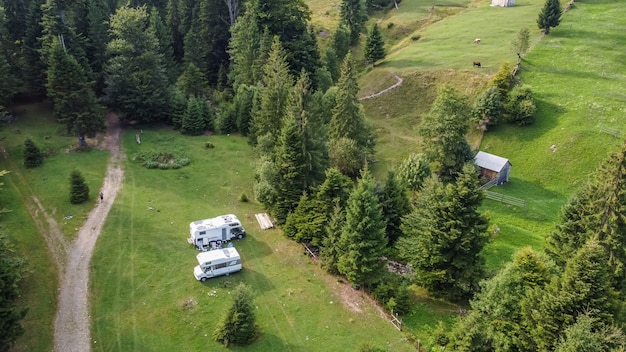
332, 63
244, 47
597, 212
35, 69
274, 94
79, 190
288, 19
336, 188
193, 121
331, 250
307, 223
75, 103
348, 120
374, 45
238, 326
178, 107
191, 82
341, 42
166, 46
497, 307
244, 103
395, 205
98, 37
33, 157
353, 16
363, 236
173, 21
549, 16
9, 64
413, 171
586, 285
443, 131
584, 335
137, 85
11, 268
444, 234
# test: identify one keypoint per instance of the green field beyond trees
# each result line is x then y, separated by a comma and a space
143, 293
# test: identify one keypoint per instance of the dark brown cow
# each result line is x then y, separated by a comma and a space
477, 64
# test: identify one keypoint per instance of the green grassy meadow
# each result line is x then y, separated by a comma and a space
145, 295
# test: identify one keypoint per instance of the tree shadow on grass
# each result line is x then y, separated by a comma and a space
270, 342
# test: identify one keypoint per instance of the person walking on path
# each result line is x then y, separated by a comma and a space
101, 197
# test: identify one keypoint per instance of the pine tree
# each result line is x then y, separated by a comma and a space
413, 171
35, 68
238, 326
244, 47
166, 46
444, 234
443, 131
32, 154
244, 102
11, 314
193, 122
549, 16
192, 82
331, 250
395, 205
75, 102
363, 236
290, 162
374, 46
348, 119
136, 83
353, 16
586, 285
306, 224
584, 335
274, 94
79, 190
498, 304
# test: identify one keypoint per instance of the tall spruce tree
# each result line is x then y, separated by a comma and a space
395, 205
166, 46
497, 310
549, 16
586, 285
331, 249
244, 47
443, 131
413, 171
274, 95
363, 237
374, 45
193, 120
353, 16
191, 82
597, 212
75, 102
348, 120
137, 85
444, 234
35, 68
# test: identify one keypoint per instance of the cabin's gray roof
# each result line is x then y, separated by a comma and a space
490, 161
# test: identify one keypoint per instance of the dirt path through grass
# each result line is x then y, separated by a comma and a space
71, 325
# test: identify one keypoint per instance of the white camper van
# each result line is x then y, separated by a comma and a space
217, 262
211, 233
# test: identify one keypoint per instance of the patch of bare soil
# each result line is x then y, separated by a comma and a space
71, 326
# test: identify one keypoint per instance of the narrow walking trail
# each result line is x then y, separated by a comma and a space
72, 323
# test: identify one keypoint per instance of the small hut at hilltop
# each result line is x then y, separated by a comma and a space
503, 3
492, 167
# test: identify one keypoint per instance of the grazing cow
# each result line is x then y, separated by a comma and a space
477, 64
477, 41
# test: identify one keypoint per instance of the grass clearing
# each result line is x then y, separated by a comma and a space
145, 295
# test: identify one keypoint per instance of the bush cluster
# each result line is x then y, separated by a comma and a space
161, 160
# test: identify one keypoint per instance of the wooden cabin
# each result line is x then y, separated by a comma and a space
493, 167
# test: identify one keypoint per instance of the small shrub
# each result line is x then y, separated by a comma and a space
390, 25
33, 157
209, 145
244, 198
415, 37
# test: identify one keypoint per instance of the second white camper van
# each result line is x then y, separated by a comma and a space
216, 263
